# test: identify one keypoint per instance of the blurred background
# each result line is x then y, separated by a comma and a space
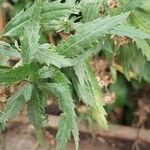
128, 106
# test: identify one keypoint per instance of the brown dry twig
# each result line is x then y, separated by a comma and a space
63, 35
51, 38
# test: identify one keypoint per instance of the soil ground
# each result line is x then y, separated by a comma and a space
21, 137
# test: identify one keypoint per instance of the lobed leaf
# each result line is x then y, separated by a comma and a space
144, 46
36, 111
89, 92
90, 10
129, 31
129, 55
31, 34
49, 57
88, 34
7, 52
15, 75
15, 104
67, 124
127, 5
50, 11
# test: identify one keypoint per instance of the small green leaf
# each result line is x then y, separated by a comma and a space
129, 31
88, 34
129, 54
7, 52
31, 34
140, 17
15, 75
50, 11
48, 57
127, 5
146, 72
14, 105
36, 111
144, 46
90, 10
67, 124
90, 93
121, 90
27, 92
97, 110
59, 77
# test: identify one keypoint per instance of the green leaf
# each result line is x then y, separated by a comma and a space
127, 5
49, 57
36, 107
129, 31
80, 62
50, 11
59, 77
64, 133
140, 20
70, 1
81, 88
129, 55
146, 72
67, 124
80, 72
7, 52
55, 11
14, 105
15, 75
36, 111
90, 10
97, 110
121, 90
31, 34
88, 34
89, 92
145, 5
45, 72
16, 25
144, 46
27, 92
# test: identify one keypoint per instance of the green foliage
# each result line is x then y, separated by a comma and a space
87, 35
31, 34
129, 56
121, 90
125, 30
144, 46
50, 11
127, 5
49, 57
18, 74
36, 110
146, 74
63, 70
67, 123
15, 104
97, 110
90, 9
7, 52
